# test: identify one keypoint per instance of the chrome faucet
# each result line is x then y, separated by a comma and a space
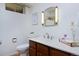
47, 36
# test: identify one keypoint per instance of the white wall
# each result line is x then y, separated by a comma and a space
12, 25
67, 14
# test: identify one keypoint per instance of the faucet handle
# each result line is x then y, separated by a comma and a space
43, 36
47, 35
51, 37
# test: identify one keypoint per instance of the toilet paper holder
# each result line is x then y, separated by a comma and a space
14, 40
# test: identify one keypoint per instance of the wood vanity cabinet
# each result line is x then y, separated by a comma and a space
38, 49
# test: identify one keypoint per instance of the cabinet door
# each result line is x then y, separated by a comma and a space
42, 50
32, 52
32, 48
32, 44
55, 52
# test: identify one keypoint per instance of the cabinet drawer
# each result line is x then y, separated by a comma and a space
42, 49
32, 44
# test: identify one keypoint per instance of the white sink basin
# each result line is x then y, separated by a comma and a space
71, 43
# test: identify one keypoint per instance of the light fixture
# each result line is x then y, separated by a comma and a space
56, 14
42, 18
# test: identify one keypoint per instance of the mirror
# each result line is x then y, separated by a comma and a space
50, 16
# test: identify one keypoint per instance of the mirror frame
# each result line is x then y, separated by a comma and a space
50, 16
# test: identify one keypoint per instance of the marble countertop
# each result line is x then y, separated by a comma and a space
56, 44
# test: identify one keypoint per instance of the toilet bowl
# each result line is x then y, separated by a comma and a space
22, 48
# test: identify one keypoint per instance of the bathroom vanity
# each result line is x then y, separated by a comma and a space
38, 47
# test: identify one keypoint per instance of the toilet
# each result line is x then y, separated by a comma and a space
22, 49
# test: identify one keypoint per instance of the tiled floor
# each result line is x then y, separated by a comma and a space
24, 54
21, 54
